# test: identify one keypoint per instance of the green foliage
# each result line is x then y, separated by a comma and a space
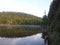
19, 18
44, 20
54, 22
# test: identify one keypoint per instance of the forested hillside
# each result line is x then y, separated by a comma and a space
19, 18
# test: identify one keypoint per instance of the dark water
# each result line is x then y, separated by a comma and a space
29, 40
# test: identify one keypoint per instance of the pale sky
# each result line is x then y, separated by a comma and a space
35, 7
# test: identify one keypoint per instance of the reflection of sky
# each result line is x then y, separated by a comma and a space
31, 40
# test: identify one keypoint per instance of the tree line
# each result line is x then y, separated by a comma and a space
19, 18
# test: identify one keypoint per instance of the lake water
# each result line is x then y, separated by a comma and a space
29, 40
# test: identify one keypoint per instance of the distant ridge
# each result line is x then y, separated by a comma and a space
19, 18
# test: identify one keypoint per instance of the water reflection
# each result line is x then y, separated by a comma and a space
29, 40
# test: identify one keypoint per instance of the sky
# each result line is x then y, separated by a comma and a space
34, 7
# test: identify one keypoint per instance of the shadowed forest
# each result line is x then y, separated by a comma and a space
54, 23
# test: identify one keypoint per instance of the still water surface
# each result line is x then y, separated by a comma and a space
29, 40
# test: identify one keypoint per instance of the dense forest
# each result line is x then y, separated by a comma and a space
54, 22
19, 18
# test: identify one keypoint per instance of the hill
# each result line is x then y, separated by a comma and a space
19, 18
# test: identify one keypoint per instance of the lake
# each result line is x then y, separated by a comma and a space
29, 40
18, 30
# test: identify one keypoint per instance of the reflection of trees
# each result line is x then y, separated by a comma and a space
9, 21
